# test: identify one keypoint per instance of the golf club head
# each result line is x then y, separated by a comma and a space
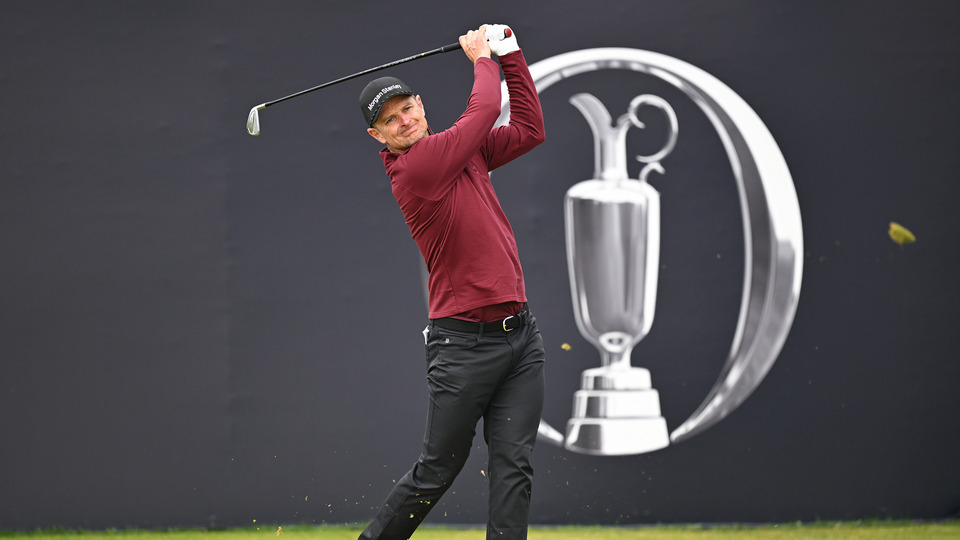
253, 120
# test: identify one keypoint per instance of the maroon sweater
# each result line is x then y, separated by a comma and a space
442, 184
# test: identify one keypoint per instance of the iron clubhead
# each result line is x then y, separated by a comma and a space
253, 120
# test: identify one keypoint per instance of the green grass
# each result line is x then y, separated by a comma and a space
819, 531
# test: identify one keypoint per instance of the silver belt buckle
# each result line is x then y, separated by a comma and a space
505, 329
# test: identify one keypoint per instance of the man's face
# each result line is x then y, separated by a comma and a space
401, 123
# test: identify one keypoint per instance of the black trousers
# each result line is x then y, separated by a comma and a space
497, 376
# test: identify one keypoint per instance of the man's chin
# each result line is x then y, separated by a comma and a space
405, 143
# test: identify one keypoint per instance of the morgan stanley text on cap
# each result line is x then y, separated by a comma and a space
378, 92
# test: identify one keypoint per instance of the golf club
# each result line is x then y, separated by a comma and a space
253, 119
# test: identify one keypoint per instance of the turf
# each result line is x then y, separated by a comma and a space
819, 531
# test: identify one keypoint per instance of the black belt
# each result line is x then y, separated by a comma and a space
507, 325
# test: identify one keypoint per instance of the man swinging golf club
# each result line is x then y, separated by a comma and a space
485, 356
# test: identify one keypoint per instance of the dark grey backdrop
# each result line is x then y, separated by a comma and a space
199, 327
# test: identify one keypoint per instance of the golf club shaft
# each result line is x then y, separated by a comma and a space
438, 50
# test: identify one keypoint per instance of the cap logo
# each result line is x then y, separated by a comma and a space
380, 95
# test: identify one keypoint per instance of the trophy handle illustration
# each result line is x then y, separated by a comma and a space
613, 252
773, 229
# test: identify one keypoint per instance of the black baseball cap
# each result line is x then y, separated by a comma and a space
378, 92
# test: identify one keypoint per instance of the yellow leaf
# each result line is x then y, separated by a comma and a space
566, 347
900, 234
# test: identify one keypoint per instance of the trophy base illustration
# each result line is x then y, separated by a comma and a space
616, 413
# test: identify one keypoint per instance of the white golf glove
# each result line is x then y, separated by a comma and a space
502, 39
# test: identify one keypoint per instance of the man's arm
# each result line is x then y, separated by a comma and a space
525, 129
430, 166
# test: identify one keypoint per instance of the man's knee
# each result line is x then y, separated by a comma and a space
438, 472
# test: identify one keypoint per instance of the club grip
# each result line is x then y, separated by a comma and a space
456, 46
450, 47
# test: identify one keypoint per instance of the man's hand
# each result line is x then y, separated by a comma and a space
502, 39
475, 45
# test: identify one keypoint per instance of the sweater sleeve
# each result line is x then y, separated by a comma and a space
525, 130
429, 168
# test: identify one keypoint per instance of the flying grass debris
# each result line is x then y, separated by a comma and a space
900, 234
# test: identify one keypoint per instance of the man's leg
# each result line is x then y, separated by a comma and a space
510, 430
461, 376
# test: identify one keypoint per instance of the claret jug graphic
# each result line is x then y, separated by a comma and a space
612, 227
613, 251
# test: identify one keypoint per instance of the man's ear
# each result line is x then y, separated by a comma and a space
375, 133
